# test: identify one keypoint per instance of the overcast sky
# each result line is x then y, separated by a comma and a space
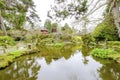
42, 6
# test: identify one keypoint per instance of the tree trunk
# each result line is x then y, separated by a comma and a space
2, 25
116, 15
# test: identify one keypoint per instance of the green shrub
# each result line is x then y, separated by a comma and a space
6, 59
16, 53
47, 40
6, 40
58, 45
102, 53
87, 39
106, 30
17, 34
65, 37
114, 43
43, 36
76, 39
43, 42
30, 38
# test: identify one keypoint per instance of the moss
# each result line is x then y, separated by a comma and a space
7, 59
106, 30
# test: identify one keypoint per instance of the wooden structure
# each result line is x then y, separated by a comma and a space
54, 30
44, 31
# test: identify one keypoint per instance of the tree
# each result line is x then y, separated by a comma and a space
82, 9
67, 29
78, 10
106, 30
114, 8
47, 25
15, 13
54, 25
64, 9
1, 19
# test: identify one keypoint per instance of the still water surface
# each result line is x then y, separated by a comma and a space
76, 66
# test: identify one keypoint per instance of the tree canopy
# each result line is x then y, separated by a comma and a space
81, 10
15, 13
68, 8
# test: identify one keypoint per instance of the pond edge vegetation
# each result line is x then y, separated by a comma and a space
7, 58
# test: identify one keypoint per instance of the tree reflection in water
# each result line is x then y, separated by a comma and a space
61, 64
22, 69
110, 69
55, 53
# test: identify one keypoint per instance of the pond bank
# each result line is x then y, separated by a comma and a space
8, 58
111, 50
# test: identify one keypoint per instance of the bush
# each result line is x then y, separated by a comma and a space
43, 36
6, 40
47, 40
102, 53
87, 39
114, 43
65, 37
17, 34
106, 30
43, 42
76, 39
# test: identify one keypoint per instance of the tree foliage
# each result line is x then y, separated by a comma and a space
47, 25
67, 29
16, 12
106, 29
68, 8
54, 25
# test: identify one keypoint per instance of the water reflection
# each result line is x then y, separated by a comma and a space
22, 69
110, 70
61, 64
71, 69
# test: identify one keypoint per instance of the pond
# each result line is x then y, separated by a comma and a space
68, 65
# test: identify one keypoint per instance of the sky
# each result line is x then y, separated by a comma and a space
42, 6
